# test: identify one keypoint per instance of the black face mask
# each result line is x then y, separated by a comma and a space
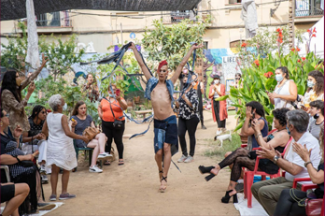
316, 116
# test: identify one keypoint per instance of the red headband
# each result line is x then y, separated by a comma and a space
162, 63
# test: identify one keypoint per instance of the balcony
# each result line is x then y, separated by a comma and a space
308, 10
178, 16
56, 22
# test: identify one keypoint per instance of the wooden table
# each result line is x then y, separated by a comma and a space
143, 113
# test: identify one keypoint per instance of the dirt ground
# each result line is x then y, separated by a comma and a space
132, 189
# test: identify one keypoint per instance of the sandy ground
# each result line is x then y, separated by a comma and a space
132, 189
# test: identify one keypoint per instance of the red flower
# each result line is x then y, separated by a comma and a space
298, 61
293, 49
268, 74
244, 45
303, 58
308, 30
314, 30
314, 35
257, 63
278, 30
298, 49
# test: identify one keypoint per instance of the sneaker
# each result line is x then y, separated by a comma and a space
218, 132
104, 156
45, 206
44, 179
66, 196
53, 197
182, 159
43, 170
189, 159
203, 127
95, 169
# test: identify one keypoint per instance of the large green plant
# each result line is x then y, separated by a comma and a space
71, 95
16, 47
259, 78
172, 42
61, 54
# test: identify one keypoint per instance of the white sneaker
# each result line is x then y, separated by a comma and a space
104, 156
189, 159
44, 179
218, 132
182, 159
95, 169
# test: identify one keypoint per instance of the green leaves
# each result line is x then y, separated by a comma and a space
255, 83
222, 98
171, 42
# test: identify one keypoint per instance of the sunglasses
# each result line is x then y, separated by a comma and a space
7, 115
237, 78
43, 112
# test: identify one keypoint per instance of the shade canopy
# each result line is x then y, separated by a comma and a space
16, 9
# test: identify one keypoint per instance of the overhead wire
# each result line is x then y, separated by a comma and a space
143, 16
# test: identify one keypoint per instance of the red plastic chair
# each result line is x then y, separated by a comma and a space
249, 177
305, 187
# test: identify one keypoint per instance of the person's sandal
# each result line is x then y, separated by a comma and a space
163, 188
161, 174
107, 163
120, 163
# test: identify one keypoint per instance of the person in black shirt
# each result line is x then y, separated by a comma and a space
188, 119
21, 169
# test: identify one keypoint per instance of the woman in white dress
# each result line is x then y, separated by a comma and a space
60, 149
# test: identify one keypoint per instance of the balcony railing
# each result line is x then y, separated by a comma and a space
178, 16
305, 8
55, 19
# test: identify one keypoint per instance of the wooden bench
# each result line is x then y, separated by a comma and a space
143, 113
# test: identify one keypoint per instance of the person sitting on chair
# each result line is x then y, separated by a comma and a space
243, 158
80, 121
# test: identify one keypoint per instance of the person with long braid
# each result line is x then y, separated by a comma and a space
160, 92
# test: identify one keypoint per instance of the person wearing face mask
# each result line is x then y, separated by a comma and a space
109, 110
188, 119
91, 88
219, 108
60, 150
316, 83
286, 90
317, 112
11, 98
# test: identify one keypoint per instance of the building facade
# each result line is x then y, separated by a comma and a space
97, 30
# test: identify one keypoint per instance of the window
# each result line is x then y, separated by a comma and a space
234, 1
178, 16
49, 19
205, 44
235, 44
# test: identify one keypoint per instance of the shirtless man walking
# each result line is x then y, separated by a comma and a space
160, 92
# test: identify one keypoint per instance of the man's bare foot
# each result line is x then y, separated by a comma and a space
215, 171
163, 185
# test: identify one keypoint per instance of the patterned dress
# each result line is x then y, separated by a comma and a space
16, 109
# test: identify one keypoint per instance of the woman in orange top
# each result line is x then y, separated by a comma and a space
107, 107
219, 108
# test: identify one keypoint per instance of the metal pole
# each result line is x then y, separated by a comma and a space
122, 42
